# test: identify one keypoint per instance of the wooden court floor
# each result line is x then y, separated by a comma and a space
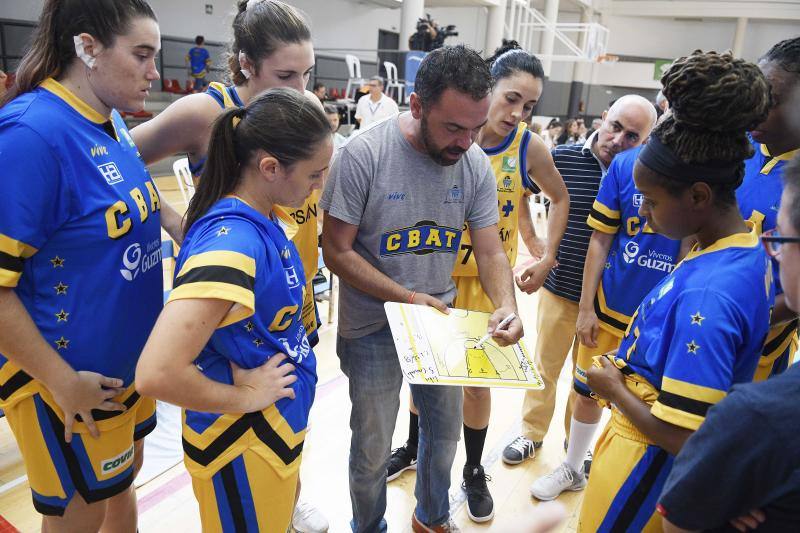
167, 504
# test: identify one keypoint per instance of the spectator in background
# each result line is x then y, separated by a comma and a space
569, 134
333, 118
582, 131
535, 127
376, 105
199, 61
552, 133
596, 123
661, 103
320, 91
766, 495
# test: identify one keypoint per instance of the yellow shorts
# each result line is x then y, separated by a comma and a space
96, 468
779, 348
470, 295
606, 342
246, 495
244, 471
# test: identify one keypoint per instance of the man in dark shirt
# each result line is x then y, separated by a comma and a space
744, 460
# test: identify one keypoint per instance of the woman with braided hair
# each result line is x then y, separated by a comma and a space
776, 142
701, 329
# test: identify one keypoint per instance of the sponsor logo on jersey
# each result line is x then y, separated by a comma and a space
425, 237
291, 276
638, 199
454, 195
509, 163
652, 260
110, 173
98, 150
507, 185
107, 466
134, 261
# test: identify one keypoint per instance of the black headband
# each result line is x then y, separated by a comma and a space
659, 158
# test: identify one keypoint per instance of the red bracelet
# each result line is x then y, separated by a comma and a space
411, 298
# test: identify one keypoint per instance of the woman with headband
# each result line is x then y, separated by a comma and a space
230, 346
701, 329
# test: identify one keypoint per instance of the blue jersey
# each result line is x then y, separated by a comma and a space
80, 235
639, 258
759, 198
235, 253
701, 329
198, 58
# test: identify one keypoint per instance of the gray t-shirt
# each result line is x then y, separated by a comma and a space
410, 212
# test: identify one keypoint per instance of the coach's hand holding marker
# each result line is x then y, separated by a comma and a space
507, 331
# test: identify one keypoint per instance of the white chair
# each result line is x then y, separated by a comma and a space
184, 177
392, 82
354, 74
538, 208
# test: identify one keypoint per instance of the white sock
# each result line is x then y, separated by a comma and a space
580, 438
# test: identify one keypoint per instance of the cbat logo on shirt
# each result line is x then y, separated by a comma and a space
110, 173
509, 163
425, 237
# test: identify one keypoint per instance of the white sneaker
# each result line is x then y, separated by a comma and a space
563, 478
308, 519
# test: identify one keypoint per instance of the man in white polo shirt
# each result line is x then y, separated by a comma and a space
375, 106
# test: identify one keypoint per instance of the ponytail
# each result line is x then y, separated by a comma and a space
53, 48
282, 122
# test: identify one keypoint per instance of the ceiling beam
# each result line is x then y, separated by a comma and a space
699, 9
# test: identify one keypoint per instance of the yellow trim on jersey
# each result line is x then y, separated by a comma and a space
16, 248
222, 88
741, 240
220, 291
692, 394
290, 226
607, 211
767, 168
599, 225
789, 342
227, 258
73, 101
605, 310
9, 278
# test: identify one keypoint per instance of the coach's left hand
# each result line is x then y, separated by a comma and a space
605, 381
511, 333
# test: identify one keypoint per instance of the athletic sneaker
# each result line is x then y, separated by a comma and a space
447, 527
308, 519
520, 449
563, 478
480, 506
402, 459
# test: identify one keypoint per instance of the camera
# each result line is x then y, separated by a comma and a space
429, 35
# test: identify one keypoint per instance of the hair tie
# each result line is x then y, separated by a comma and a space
238, 115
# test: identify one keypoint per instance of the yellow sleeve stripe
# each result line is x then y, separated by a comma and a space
9, 278
219, 291
676, 416
16, 248
599, 226
691, 391
605, 210
221, 258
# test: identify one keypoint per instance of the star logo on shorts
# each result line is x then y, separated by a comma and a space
697, 319
62, 343
61, 288
223, 231
258, 342
62, 316
692, 347
57, 262
249, 326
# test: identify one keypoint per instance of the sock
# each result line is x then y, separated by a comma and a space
580, 438
413, 431
473, 442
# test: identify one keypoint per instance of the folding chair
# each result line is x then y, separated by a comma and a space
392, 82
354, 74
184, 177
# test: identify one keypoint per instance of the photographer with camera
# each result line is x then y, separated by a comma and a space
429, 36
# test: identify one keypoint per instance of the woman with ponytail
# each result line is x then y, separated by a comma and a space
230, 346
522, 165
701, 329
80, 268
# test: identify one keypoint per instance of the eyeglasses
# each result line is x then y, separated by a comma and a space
772, 241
